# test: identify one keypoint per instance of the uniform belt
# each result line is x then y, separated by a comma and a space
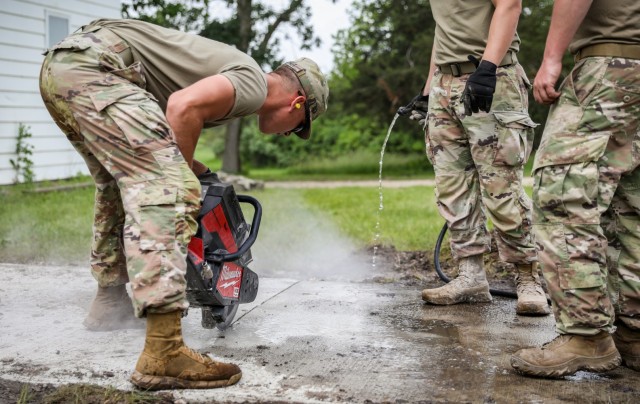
458, 69
618, 50
114, 42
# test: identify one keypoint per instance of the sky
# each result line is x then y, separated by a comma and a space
327, 19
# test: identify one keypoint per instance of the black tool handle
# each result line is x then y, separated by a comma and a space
253, 234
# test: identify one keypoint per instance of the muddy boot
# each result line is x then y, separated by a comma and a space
167, 363
628, 343
531, 298
567, 354
470, 286
111, 310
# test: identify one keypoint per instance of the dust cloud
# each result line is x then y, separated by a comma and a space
300, 244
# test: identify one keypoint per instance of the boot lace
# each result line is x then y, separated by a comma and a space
557, 340
528, 286
197, 355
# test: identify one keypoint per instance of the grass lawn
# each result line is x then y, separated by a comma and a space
55, 228
354, 166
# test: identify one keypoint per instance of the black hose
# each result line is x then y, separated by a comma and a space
436, 262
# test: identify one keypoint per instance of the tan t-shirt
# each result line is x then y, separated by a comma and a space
616, 21
173, 60
462, 29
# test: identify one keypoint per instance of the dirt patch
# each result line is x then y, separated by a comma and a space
417, 268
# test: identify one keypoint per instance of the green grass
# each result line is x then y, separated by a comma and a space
354, 166
52, 227
409, 219
87, 394
55, 228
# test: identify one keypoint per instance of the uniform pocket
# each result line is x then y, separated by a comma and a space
136, 114
514, 131
427, 142
157, 218
580, 276
73, 43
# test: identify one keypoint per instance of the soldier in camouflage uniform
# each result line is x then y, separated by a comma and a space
133, 98
478, 137
587, 190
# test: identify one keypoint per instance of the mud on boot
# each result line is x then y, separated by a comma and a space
628, 343
110, 310
567, 354
167, 363
470, 286
531, 298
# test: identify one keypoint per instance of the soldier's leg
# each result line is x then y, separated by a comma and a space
458, 196
500, 144
160, 196
572, 246
584, 151
111, 308
625, 271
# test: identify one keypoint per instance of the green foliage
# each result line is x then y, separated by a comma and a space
532, 29
184, 15
22, 164
382, 60
252, 28
333, 136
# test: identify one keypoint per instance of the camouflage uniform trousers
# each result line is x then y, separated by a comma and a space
587, 197
478, 162
146, 196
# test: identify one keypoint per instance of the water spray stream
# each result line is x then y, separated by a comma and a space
376, 239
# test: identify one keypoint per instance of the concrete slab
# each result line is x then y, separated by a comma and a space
300, 341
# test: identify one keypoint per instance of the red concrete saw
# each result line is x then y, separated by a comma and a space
218, 276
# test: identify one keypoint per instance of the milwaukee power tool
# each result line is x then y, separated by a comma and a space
218, 278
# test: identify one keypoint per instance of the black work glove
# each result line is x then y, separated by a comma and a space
481, 84
417, 109
209, 177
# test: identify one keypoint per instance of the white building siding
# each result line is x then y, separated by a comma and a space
23, 38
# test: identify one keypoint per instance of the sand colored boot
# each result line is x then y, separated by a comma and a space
567, 354
167, 363
531, 298
628, 343
470, 286
110, 310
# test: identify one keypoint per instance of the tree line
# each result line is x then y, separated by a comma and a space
380, 62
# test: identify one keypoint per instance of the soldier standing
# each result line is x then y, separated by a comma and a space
587, 190
478, 138
132, 98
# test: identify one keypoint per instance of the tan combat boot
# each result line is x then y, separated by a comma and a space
167, 363
628, 343
470, 286
567, 354
111, 310
531, 298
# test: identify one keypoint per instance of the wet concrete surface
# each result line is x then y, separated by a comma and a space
302, 340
